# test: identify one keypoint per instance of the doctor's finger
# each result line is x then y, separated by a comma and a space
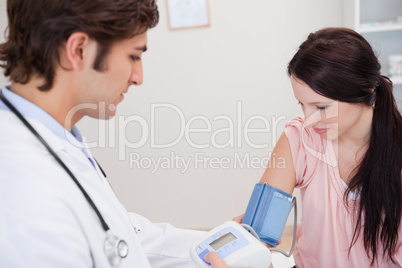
215, 261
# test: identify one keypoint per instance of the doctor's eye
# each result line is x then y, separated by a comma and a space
135, 58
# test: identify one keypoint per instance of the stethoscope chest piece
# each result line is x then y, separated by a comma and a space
115, 249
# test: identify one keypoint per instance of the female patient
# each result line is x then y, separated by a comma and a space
345, 155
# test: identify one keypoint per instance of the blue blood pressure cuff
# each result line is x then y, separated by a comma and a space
267, 212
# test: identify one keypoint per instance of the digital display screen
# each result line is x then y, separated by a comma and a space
222, 241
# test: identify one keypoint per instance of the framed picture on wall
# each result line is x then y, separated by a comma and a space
188, 13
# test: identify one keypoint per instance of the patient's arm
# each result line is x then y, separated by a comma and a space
280, 172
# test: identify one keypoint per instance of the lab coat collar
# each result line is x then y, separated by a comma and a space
30, 110
59, 145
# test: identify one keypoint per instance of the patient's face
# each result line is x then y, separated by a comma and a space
329, 118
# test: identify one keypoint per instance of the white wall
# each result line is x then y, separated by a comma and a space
240, 59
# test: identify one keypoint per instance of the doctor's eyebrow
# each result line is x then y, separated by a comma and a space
142, 48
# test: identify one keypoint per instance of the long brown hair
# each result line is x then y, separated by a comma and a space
37, 29
340, 64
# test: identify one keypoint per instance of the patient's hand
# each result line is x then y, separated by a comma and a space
215, 261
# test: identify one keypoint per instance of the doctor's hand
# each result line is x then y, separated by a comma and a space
215, 261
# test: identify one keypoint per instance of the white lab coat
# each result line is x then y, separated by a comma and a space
45, 221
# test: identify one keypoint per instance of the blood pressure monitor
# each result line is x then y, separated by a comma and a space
265, 217
234, 244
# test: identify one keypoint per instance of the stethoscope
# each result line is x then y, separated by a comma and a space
115, 248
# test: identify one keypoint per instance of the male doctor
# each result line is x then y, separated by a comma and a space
64, 59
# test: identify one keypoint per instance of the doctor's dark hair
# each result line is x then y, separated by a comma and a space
340, 64
37, 29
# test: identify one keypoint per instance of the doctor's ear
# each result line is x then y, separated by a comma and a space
78, 52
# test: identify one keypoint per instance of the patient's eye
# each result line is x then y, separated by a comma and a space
322, 107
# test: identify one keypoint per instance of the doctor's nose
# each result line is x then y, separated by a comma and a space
136, 77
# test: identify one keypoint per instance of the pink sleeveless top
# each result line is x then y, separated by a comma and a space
327, 226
